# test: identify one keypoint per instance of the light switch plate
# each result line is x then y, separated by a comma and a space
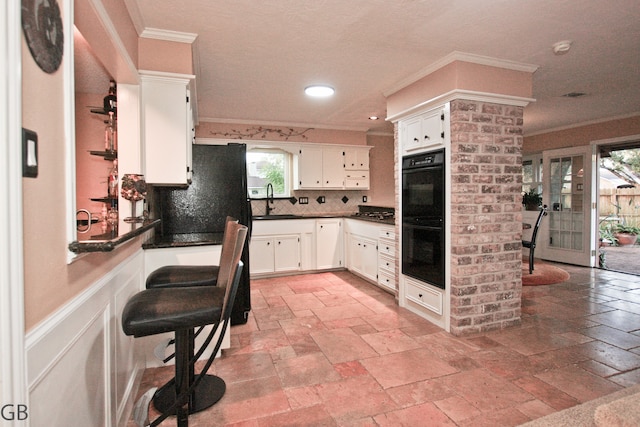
29, 153
303, 200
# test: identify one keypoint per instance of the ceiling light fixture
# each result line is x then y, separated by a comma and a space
373, 117
319, 91
562, 47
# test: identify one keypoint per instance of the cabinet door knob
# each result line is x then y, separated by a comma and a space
420, 295
426, 137
416, 140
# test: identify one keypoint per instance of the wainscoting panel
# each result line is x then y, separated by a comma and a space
82, 370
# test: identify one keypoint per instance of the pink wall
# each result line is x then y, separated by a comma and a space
167, 56
582, 135
463, 76
49, 281
104, 47
279, 133
381, 168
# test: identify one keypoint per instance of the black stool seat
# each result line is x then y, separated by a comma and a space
171, 276
155, 311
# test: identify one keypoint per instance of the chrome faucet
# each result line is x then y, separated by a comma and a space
269, 198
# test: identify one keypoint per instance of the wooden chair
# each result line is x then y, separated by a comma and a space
531, 244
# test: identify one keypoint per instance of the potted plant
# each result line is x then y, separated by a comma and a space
607, 235
532, 200
626, 235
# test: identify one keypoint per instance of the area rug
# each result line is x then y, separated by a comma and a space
543, 274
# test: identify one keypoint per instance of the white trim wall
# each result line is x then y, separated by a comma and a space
82, 369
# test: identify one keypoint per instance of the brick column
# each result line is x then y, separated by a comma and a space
486, 216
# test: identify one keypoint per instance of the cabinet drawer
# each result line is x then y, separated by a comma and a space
387, 233
387, 248
359, 180
424, 296
386, 280
387, 264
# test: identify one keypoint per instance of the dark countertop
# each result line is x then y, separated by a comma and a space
184, 240
203, 239
387, 221
108, 241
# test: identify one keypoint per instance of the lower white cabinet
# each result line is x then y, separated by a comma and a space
387, 258
363, 256
274, 254
329, 243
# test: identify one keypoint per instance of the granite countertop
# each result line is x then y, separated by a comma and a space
202, 239
389, 221
183, 240
106, 242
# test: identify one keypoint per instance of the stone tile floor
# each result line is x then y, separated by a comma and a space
330, 349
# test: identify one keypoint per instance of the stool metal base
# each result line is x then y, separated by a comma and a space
207, 392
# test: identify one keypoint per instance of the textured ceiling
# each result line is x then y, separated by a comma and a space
256, 57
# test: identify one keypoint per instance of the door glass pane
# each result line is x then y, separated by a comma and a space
567, 202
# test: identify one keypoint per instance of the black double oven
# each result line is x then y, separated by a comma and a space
423, 204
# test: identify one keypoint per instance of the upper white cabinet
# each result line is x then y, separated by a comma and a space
167, 127
356, 168
356, 158
318, 166
423, 131
331, 167
329, 246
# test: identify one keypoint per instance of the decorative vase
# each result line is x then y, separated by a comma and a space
133, 188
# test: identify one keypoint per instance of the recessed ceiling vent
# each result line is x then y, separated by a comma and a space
574, 94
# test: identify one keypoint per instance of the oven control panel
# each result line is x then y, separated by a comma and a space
425, 159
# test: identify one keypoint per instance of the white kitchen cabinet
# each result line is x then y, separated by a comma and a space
262, 255
272, 254
423, 131
329, 244
356, 158
356, 180
318, 167
363, 256
287, 253
387, 258
167, 127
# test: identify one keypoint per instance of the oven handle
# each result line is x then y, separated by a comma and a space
423, 227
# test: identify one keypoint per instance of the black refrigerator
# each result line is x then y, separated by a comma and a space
197, 213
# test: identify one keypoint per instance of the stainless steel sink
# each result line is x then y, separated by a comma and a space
276, 216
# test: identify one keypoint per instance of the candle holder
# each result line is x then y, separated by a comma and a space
133, 188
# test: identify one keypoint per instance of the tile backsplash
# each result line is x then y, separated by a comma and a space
335, 202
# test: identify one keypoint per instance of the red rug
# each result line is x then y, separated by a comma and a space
543, 274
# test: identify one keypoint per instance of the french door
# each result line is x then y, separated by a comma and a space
566, 236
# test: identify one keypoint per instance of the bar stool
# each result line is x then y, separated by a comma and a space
171, 276
180, 310
531, 244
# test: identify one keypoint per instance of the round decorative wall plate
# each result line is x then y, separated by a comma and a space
42, 27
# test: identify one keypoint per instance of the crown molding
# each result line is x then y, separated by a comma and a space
463, 57
469, 95
167, 35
